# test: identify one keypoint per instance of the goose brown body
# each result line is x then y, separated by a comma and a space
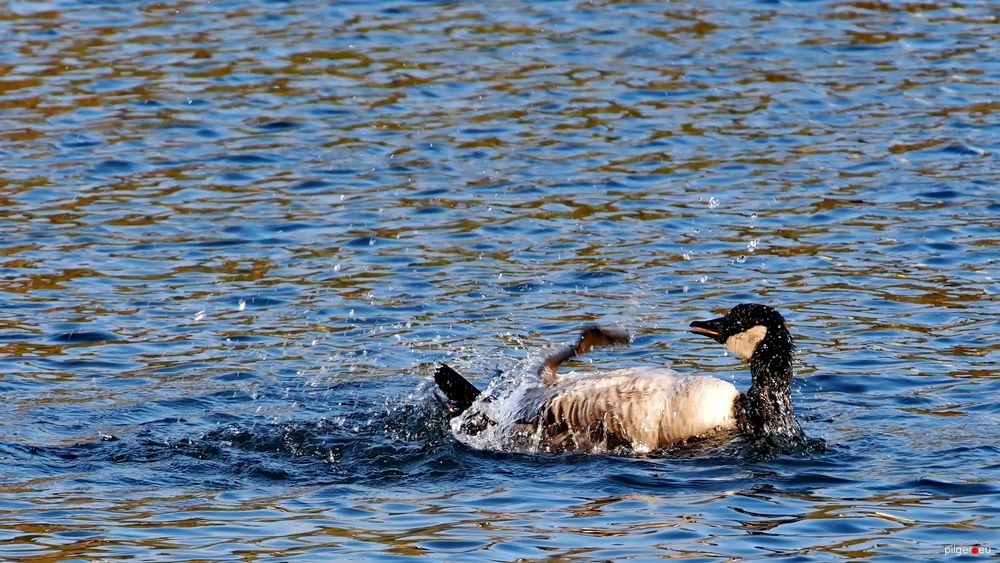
642, 408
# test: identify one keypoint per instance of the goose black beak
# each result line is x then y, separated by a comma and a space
711, 329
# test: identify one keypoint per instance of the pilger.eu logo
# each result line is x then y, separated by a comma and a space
983, 550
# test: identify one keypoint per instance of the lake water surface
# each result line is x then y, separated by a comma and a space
236, 238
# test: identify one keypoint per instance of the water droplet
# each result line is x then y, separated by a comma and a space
199, 315
752, 245
336, 267
243, 304
713, 202
741, 259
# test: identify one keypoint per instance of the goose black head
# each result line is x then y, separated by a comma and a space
747, 329
757, 333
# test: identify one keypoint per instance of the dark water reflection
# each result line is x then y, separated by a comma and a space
235, 237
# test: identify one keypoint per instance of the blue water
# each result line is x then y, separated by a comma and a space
237, 238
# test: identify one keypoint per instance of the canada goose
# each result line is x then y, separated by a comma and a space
645, 408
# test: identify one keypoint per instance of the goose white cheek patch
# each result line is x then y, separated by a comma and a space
743, 344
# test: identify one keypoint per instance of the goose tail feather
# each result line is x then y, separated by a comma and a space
455, 392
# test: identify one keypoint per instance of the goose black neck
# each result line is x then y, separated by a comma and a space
767, 405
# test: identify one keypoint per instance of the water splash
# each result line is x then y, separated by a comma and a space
491, 423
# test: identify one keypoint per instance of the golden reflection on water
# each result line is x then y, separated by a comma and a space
269, 206
392, 528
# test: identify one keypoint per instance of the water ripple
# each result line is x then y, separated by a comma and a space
236, 238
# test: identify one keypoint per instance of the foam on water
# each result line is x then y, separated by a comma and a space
491, 423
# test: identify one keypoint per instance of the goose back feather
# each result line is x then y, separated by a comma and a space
644, 408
